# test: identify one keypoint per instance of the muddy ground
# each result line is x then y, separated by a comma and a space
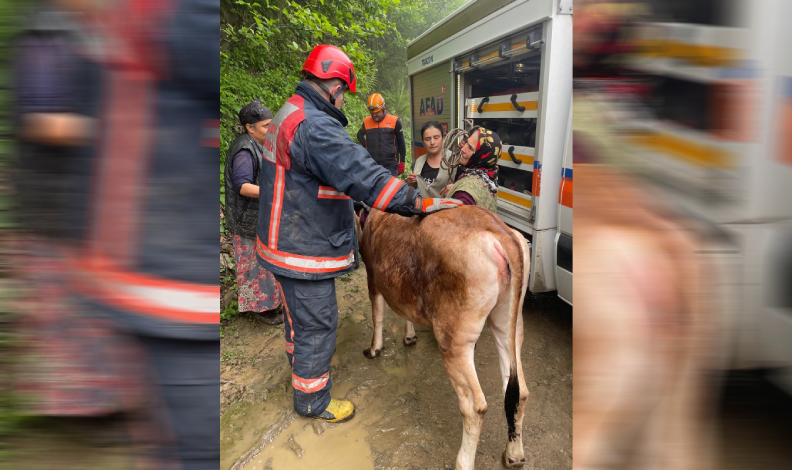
407, 412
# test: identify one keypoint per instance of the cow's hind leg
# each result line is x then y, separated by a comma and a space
409, 334
498, 321
459, 364
377, 314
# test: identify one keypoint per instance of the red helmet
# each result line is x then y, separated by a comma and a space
331, 62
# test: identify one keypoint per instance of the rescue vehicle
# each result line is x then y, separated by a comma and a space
507, 66
713, 139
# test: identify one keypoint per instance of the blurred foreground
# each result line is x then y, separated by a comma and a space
684, 249
110, 296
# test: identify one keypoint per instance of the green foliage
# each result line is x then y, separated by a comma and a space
231, 311
264, 44
12, 420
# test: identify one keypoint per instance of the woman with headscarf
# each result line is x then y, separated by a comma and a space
476, 181
257, 292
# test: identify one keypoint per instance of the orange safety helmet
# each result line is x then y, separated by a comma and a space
327, 62
375, 102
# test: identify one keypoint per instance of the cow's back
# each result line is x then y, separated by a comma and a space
427, 266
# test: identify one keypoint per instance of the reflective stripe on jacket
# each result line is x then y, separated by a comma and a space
310, 174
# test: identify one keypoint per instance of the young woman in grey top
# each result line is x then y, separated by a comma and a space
427, 176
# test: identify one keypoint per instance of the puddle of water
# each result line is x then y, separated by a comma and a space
239, 429
341, 446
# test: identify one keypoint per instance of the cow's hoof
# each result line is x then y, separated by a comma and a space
367, 353
410, 341
512, 463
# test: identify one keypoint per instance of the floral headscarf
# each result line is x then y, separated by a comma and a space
484, 162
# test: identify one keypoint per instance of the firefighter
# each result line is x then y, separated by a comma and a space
311, 172
147, 253
382, 135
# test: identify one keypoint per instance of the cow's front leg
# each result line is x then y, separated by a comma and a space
409, 334
377, 314
462, 372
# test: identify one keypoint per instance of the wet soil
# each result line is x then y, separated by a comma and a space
407, 412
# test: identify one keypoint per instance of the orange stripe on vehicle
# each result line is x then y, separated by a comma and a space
685, 149
565, 192
536, 184
495, 107
698, 54
277, 205
785, 134
525, 202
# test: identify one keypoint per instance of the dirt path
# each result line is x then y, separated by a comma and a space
407, 412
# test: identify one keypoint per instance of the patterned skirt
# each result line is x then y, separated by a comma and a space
258, 291
71, 360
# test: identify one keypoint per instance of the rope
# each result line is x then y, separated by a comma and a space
451, 144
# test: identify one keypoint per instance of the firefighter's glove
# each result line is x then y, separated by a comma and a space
401, 168
432, 205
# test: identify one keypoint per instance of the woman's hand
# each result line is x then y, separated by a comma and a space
249, 190
445, 190
412, 179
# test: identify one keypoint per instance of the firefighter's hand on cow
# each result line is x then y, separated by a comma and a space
432, 205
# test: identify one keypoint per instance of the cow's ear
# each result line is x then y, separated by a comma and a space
359, 206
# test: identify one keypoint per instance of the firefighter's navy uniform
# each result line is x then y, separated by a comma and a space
311, 173
147, 253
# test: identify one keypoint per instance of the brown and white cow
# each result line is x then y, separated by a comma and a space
641, 332
455, 270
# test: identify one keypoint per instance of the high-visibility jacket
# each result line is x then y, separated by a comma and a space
384, 140
310, 174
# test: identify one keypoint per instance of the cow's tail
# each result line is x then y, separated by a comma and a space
519, 284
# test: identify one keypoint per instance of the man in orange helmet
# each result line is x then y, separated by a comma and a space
382, 135
310, 173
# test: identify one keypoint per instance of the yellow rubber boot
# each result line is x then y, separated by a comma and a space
337, 411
